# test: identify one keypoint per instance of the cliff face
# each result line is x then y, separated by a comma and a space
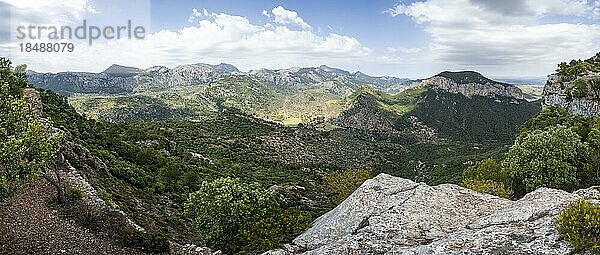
471, 84
390, 215
566, 93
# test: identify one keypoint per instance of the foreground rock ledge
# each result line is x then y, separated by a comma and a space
391, 215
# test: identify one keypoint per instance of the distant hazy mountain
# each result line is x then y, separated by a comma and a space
290, 96
538, 82
159, 78
76, 83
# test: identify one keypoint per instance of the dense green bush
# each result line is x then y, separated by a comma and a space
580, 225
544, 158
578, 67
488, 169
580, 90
571, 157
27, 142
488, 187
236, 217
340, 184
488, 177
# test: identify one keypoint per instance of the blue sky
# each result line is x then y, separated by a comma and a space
361, 19
415, 39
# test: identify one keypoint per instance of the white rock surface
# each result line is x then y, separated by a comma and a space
391, 215
556, 93
473, 88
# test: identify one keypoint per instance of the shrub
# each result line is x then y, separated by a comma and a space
580, 90
149, 241
107, 197
544, 158
225, 212
488, 187
489, 169
74, 194
28, 143
488, 177
580, 225
340, 184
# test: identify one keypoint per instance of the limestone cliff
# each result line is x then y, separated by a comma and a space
576, 87
471, 84
575, 95
390, 215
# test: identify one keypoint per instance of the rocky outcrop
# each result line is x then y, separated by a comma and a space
33, 96
390, 215
559, 91
74, 179
192, 249
471, 84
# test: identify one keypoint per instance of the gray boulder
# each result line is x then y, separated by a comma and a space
391, 215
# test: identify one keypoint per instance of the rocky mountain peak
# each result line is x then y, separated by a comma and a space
466, 77
119, 69
223, 67
470, 83
334, 71
391, 215
156, 69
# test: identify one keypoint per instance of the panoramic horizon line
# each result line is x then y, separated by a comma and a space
301, 67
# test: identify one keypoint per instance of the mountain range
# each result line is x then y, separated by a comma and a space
289, 96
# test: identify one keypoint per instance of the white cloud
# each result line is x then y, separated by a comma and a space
266, 13
196, 14
91, 9
403, 50
215, 38
504, 36
286, 17
50, 12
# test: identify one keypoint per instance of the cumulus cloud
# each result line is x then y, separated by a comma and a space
504, 34
214, 38
196, 14
286, 17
